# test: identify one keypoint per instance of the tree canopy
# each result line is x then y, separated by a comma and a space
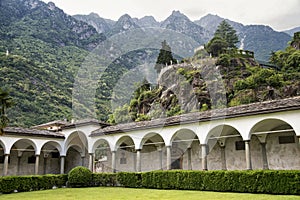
5, 102
165, 57
227, 33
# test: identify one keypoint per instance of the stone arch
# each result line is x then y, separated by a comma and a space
76, 138
276, 145
125, 154
50, 158
226, 148
152, 149
152, 137
3, 146
102, 155
22, 157
185, 148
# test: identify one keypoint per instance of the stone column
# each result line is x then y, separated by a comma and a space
45, 164
62, 164
82, 160
37, 162
248, 155
189, 151
160, 158
223, 158
138, 161
91, 160
264, 155
18, 165
168, 157
5, 167
204, 156
113, 161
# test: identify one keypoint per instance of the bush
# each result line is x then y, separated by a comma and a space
80, 177
8, 184
128, 179
105, 179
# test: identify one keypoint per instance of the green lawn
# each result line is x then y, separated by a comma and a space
104, 193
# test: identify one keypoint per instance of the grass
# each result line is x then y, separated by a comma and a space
105, 193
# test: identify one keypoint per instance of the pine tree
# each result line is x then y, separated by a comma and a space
5, 102
227, 33
165, 57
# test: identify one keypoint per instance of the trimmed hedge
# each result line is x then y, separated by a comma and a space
80, 177
258, 181
9, 184
105, 179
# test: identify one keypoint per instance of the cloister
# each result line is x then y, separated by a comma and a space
261, 135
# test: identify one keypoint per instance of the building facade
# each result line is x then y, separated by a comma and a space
262, 135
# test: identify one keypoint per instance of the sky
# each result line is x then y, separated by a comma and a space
279, 14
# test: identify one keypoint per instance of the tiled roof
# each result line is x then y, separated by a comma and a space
243, 110
56, 122
85, 122
31, 132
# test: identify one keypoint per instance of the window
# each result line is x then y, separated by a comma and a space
31, 159
286, 139
239, 145
55, 154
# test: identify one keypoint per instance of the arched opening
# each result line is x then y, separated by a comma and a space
77, 151
22, 158
152, 152
50, 158
274, 145
102, 156
185, 150
226, 149
2, 156
125, 154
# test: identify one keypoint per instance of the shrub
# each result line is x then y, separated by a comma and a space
104, 179
80, 177
128, 179
30, 183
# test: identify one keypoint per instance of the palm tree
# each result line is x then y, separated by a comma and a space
5, 102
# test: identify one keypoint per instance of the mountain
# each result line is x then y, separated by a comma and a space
45, 48
123, 24
180, 23
292, 31
258, 38
147, 22
93, 19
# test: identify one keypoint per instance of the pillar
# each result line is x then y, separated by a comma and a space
45, 164
82, 160
5, 167
168, 157
91, 160
113, 161
18, 165
160, 158
248, 155
37, 162
264, 155
138, 160
223, 158
204, 156
189, 151
62, 164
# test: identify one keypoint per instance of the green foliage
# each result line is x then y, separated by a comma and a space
9, 184
5, 102
226, 32
257, 181
104, 179
130, 179
216, 46
80, 177
165, 57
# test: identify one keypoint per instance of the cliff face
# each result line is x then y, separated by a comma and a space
209, 83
